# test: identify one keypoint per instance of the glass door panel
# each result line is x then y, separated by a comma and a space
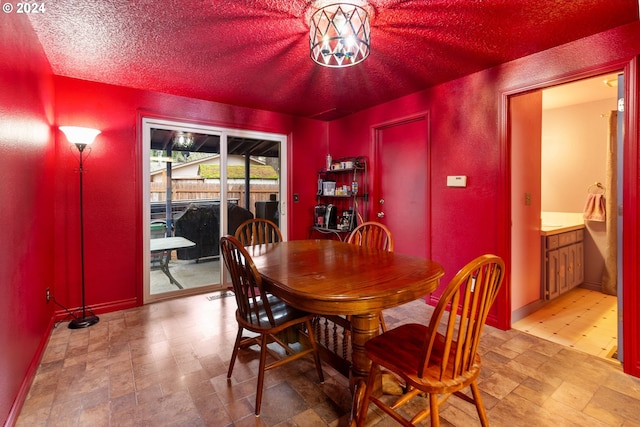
254, 178
197, 189
183, 210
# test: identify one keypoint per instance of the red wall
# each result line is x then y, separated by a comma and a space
309, 149
26, 213
39, 179
40, 186
112, 183
464, 141
468, 137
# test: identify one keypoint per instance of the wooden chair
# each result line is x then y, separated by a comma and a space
440, 359
373, 235
258, 231
263, 314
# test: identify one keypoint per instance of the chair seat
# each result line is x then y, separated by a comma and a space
283, 316
407, 342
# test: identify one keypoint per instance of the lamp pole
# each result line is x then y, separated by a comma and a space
84, 321
81, 137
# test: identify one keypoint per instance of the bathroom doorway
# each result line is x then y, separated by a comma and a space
573, 120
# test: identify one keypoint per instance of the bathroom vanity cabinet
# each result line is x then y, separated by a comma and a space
563, 260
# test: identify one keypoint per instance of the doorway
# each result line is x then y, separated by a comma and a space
200, 183
573, 144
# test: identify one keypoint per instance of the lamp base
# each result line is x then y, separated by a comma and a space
83, 322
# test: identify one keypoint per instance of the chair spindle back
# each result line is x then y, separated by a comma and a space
258, 231
468, 299
247, 282
373, 235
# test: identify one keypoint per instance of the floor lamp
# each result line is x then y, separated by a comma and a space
81, 137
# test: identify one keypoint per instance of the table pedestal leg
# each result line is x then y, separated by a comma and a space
363, 328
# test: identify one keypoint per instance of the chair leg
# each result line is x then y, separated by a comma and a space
383, 325
236, 347
358, 400
263, 361
435, 413
364, 398
482, 413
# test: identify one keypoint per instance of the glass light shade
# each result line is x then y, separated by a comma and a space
79, 135
183, 140
339, 35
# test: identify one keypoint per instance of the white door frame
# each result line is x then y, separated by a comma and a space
157, 123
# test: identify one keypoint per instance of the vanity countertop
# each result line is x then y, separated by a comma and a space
551, 229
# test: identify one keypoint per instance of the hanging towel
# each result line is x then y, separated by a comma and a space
594, 208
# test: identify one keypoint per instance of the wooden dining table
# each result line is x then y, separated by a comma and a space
330, 277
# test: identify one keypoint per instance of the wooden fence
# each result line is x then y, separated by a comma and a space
199, 190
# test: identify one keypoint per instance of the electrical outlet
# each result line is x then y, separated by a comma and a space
48, 294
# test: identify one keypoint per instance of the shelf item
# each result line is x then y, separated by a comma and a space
332, 233
341, 191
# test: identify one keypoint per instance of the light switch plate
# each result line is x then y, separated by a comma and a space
456, 181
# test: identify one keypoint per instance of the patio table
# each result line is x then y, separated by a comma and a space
165, 245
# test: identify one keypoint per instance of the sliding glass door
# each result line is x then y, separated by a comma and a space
200, 183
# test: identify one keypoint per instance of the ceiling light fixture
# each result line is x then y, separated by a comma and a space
339, 35
183, 140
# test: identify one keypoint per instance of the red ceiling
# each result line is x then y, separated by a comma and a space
256, 53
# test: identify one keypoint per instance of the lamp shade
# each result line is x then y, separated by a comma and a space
339, 35
79, 135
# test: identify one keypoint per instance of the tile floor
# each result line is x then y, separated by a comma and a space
164, 364
190, 274
582, 319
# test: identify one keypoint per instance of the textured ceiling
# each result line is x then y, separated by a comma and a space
256, 53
